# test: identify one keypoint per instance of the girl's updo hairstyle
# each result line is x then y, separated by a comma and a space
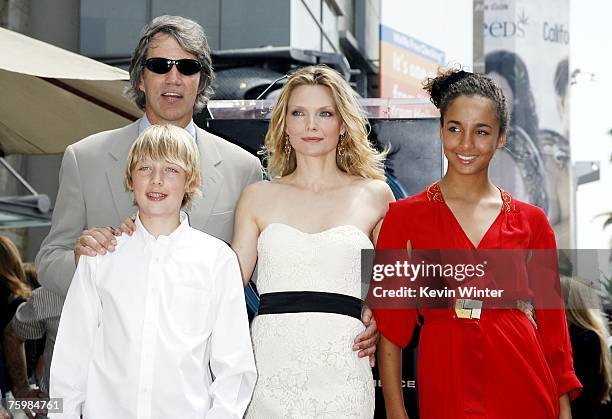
452, 83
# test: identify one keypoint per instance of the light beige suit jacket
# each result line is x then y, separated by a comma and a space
92, 194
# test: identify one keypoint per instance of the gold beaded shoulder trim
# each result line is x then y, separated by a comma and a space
434, 194
507, 202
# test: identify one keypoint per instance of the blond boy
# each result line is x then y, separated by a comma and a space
145, 329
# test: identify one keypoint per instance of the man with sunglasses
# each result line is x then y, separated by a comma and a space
170, 76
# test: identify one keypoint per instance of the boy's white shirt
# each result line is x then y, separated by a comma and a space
140, 327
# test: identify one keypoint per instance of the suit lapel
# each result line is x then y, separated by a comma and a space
116, 170
212, 180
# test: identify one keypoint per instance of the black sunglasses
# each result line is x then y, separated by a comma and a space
185, 66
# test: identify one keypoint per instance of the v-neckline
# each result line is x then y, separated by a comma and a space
440, 197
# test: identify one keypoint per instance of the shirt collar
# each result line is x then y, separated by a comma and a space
142, 232
145, 123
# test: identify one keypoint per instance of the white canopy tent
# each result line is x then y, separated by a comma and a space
52, 97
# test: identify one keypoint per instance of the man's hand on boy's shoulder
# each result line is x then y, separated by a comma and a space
100, 240
95, 241
128, 226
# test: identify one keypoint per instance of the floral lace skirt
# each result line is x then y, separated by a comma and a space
307, 369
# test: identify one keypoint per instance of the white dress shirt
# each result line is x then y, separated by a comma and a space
143, 327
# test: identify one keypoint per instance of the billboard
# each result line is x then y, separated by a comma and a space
404, 63
526, 46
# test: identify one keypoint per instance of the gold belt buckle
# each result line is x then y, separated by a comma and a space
468, 309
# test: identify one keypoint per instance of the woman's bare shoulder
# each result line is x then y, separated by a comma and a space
261, 191
377, 189
263, 186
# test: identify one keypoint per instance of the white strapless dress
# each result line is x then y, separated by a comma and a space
306, 367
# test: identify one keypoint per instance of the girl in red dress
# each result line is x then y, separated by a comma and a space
499, 363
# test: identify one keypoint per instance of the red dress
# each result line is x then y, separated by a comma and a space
499, 366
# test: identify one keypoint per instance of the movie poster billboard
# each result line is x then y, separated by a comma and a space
404, 63
526, 46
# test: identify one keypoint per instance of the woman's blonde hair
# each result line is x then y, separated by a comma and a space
583, 309
360, 158
11, 270
173, 145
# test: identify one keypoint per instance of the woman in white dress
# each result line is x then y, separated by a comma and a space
306, 228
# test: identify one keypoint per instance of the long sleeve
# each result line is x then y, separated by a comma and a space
75, 340
231, 353
396, 324
25, 324
29, 320
55, 260
550, 315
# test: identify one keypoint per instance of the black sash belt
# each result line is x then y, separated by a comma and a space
307, 301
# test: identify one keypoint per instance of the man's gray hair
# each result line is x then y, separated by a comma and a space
191, 37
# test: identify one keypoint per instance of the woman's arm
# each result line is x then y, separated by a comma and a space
390, 367
565, 411
246, 231
366, 341
384, 197
543, 274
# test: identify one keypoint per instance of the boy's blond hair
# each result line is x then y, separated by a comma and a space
172, 144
